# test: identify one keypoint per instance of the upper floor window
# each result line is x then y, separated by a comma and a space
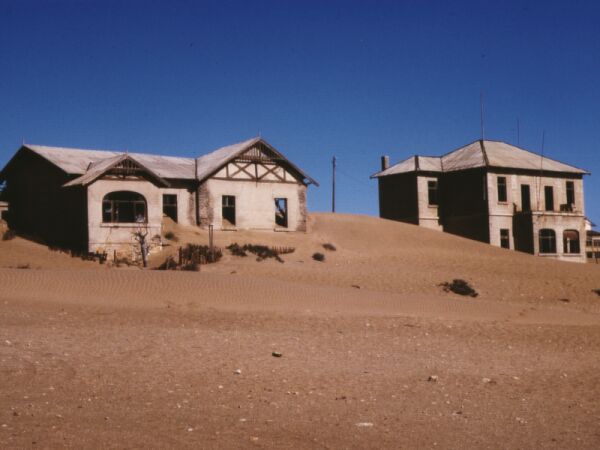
502, 197
547, 241
549, 198
570, 193
432, 192
124, 207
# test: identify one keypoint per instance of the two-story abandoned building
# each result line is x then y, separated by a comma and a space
93, 200
492, 192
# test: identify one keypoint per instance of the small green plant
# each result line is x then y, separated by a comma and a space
318, 257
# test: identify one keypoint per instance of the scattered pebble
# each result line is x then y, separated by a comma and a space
277, 354
190, 429
356, 286
521, 420
364, 424
237, 371
432, 378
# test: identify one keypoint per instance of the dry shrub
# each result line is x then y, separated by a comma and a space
596, 291
261, 251
460, 287
318, 257
329, 247
9, 235
171, 236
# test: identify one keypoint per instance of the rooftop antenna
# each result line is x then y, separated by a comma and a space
541, 170
481, 104
518, 132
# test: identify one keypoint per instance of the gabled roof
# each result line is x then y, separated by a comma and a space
93, 163
484, 153
210, 163
99, 168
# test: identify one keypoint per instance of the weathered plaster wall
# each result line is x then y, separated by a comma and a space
559, 223
428, 214
255, 203
119, 236
186, 204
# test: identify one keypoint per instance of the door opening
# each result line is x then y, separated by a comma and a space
281, 212
525, 198
228, 210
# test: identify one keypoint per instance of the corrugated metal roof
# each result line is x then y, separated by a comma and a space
482, 154
91, 163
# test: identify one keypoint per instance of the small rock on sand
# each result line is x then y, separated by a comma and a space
432, 378
364, 424
277, 354
237, 371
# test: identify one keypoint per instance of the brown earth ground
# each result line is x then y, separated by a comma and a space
374, 353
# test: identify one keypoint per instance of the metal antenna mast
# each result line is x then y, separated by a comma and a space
481, 104
541, 170
333, 161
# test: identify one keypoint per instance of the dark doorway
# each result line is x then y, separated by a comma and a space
549, 198
525, 198
228, 210
170, 206
504, 238
281, 212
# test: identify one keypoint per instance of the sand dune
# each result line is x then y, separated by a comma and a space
98, 357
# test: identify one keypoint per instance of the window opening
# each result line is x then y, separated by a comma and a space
124, 207
525, 198
549, 198
571, 242
281, 212
547, 241
504, 238
432, 192
170, 206
228, 209
570, 194
502, 189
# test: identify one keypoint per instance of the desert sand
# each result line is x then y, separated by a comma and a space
374, 354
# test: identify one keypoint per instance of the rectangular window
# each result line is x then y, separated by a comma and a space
281, 212
549, 198
228, 210
170, 206
525, 198
504, 238
432, 192
502, 198
570, 193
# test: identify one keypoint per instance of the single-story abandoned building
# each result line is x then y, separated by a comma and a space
492, 192
91, 200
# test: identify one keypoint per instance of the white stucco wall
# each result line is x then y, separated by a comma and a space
255, 203
186, 206
428, 214
119, 236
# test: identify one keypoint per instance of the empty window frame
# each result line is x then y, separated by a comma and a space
170, 206
432, 192
549, 198
228, 209
547, 241
504, 238
281, 212
502, 196
571, 242
570, 194
525, 198
124, 207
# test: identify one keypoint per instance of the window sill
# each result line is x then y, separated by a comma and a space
123, 224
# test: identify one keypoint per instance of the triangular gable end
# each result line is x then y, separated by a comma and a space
120, 167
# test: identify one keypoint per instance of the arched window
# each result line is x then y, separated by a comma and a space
124, 207
547, 241
571, 241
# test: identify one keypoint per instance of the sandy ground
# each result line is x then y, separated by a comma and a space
374, 353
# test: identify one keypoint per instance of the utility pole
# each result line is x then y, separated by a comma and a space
333, 185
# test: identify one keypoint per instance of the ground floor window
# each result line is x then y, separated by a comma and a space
281, 212
228, 209
571, 241
124, 207
432, 192
170, 206
504, 238
547, 241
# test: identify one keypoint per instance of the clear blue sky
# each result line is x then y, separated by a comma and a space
354, 79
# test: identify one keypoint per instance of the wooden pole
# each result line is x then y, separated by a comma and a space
333, 161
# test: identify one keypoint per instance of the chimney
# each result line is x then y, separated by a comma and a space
385, 162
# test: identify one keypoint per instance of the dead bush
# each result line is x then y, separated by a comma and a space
596, 291
318, 257
171, 236
261, 251
9, 235
329, 247
460, 287
191, 257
